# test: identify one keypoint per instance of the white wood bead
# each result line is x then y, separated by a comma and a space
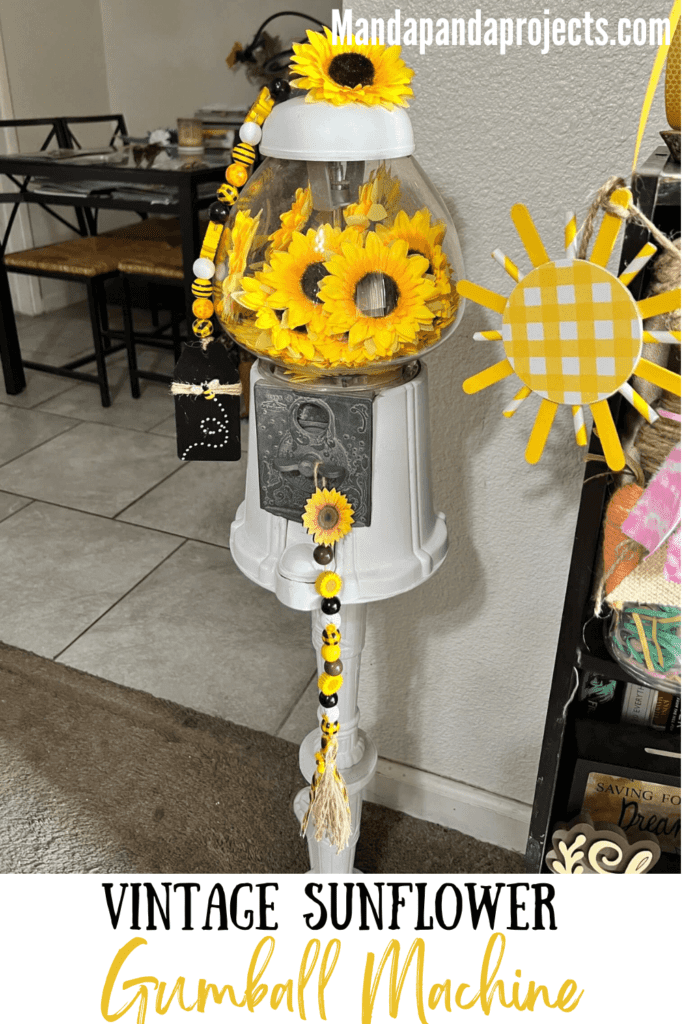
203, 268
251, 133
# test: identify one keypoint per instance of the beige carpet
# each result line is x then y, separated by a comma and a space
98, 778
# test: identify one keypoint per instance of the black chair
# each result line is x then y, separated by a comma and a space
70, 139
88, 260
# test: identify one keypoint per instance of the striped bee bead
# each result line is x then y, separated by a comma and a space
201, 288
243, 153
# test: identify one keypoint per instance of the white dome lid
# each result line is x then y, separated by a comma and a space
296, 130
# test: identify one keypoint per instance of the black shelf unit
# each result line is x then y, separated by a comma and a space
571, 738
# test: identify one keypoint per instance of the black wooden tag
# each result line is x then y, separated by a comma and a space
207, 424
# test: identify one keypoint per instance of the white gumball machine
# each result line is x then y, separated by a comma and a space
337, 269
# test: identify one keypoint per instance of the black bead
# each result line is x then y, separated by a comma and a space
219, 213
333, 668
328, 700
280, 89
330, 605
323, 554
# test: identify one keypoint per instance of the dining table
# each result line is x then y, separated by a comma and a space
133, 178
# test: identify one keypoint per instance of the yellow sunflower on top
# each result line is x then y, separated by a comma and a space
341, 73
379, 294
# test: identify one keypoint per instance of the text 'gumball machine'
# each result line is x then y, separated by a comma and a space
337, 268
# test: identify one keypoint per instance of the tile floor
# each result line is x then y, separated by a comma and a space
115, 555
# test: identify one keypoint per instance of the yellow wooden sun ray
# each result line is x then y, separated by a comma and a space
658, 376
607, 432
540, 431
654, 305
528, 232
514, 405
506, 263
609, 229
491, 375
482, 296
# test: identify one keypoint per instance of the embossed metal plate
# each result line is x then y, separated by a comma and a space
297, 429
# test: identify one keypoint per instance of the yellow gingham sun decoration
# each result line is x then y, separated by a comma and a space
573, 333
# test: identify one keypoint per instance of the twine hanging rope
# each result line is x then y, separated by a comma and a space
209, 389
631, 212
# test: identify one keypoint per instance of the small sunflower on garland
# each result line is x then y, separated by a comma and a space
341, 73
328, 516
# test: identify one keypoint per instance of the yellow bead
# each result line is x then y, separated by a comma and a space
202, 328
329, 684
328, 584
201, 288
263, 106
236, 174
211, 240
329, 653
203, 309
227, 193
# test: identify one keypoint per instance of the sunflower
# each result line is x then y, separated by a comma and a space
234, 253
379, 294
292, 220
328, 516
341, 73
380, 192
425, 239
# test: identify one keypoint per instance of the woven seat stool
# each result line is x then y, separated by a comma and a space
91, 262
165, 229
155, 261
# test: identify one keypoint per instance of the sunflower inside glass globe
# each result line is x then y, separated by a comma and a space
339, 256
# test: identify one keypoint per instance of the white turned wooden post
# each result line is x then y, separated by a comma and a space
357, 755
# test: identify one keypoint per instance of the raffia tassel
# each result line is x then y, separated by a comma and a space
330, 803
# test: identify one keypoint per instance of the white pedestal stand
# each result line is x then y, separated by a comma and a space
404, 545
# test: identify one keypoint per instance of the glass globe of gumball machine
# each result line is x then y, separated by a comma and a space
337, 269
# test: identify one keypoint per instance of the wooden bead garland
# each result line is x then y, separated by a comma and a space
329, 797
236, 175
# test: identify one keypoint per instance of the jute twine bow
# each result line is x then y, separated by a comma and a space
631, 212
209, 389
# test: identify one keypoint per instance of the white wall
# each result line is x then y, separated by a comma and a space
166, 58
457, 674
54, 57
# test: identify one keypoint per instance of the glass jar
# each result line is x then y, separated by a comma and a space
646, 640
338, 267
